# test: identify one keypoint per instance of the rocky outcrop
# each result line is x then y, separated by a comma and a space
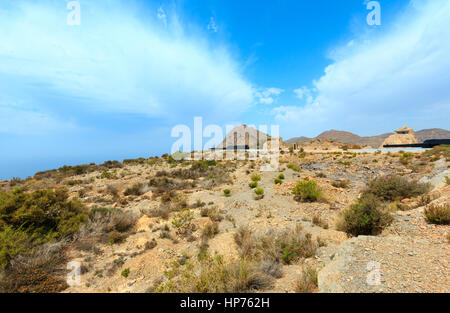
402, 136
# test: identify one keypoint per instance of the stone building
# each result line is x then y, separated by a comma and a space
404, 135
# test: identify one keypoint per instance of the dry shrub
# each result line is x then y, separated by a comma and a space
283, 247
308, 282
104, 225
245, 241
341, 183
392, 187
135, 190
41, 271
213, 213
214, 275
438, 214
367, 216
318, 221
210, 230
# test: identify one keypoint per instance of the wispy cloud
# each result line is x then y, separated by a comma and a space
268, 95
399, 76
304, 93
114, 62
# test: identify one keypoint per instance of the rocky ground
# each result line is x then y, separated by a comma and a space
408, 256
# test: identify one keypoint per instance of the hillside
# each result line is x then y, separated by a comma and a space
433, 133
158, 225
373, 141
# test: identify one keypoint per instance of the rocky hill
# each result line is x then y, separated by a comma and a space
433, 133
372, 141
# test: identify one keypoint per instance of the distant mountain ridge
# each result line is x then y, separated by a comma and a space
373, 141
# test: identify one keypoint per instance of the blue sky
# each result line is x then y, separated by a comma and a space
114, 86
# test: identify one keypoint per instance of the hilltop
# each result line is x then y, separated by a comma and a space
372, 141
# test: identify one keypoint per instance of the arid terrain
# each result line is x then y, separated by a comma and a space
160, 225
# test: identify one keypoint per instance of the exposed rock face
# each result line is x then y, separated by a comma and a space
404, 135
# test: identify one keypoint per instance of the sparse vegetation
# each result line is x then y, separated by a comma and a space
135, 190
227, 192
210, 230
183, 219
213, 213
366, 216
211, 274
318, 221
30, 219
345, 183
306, 191
253, 185
283, 247
308, 281
255, 177
391, 188
438, 214
259, 192
294, 167
125, 273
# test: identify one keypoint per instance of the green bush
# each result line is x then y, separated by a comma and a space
227, 192
306, 190
253, 184
255, 177
393, 187
126, 272
366, 216
40, 216
438, 214
281, 176
12, 242
259, 192
278, 181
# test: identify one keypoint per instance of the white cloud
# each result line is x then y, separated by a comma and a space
268, 95
115, 62
212, 25
381, 82
304, 93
